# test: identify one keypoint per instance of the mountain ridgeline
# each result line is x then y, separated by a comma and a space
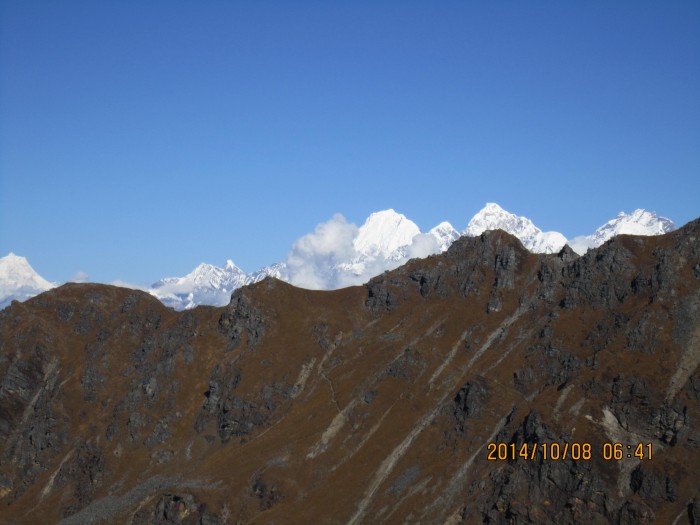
386, 240
486, 384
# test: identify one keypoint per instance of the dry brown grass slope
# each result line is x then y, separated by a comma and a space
371, 404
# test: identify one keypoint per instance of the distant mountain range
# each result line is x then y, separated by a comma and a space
338, 254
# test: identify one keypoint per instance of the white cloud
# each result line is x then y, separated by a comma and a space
422, 245
581, 244
79, 277
314, 257
327, 259
124, 284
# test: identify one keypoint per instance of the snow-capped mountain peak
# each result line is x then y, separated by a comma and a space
16, 271
639, 222
209, 274
384, 232
19, 281
493, 217
231, 267
209, 284
445, 234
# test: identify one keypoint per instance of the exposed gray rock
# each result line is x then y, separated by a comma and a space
237, 417
653, 485
694, 512
223, 382
369, 396
384, 294
405, 366
268, 494
574, 491
85, 471
176, 509
240, 316
430, 280
469, 402
635, 513
65, 312
159, 435
566, 254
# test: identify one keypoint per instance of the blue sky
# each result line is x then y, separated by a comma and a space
138, 139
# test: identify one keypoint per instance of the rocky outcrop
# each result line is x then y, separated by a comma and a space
241, 317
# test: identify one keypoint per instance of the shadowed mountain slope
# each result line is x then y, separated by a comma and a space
372, 404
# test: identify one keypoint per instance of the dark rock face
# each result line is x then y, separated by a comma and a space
240, 317
635, 512
268, 494
471, 264
85, 473
694, 512
571, 491
177, 509
653, 485
27, 392
445, 391
384, 294
469, 402
600, 278
406, 366
234, 415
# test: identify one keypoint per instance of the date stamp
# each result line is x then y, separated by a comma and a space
563, 451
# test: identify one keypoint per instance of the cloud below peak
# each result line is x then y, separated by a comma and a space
328, 258
312, 261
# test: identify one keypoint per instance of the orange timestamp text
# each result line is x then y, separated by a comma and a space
563, 451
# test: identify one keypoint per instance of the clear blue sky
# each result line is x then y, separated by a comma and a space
138, 139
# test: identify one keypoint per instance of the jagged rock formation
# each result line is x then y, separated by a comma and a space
372, 404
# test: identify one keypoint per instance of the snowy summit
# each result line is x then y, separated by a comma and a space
493, 217
445, 235
384, 232
639, 222
208, 284
19, 281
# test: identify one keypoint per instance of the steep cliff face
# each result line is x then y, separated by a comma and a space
373, 404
